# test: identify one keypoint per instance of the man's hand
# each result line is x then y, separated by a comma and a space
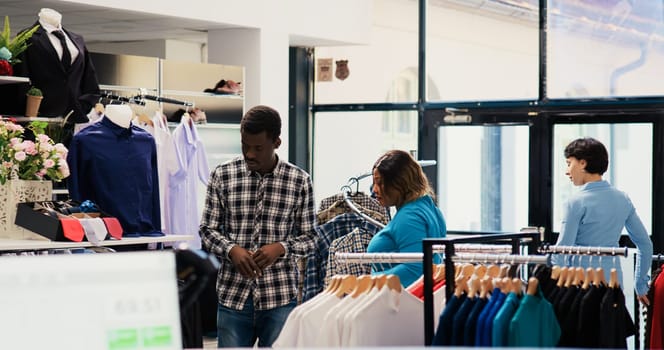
244, 262
268, 254
644, 300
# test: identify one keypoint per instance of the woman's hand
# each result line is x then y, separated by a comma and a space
644, 300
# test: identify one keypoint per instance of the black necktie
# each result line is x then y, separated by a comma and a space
66, 55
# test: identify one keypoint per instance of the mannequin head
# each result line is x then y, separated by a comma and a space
50, 17
121, 115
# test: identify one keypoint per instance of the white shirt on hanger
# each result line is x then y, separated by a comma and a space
390, 319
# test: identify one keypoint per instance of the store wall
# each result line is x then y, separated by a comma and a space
260, 38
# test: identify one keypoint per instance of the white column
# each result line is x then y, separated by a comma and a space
264, 56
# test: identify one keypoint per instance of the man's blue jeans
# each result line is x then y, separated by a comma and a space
241, 328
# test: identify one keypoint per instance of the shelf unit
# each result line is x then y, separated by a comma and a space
13, 245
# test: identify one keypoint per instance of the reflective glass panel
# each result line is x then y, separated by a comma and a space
346, 144
600, 48
482, 50
483, 177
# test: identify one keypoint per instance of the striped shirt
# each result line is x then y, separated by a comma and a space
250, 210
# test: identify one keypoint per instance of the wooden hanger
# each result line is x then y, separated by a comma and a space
439, 273
461, 281
480, 270
599, 275
590, 278
393, 283
569, 277
493, 270
506, 285
613, 279
517, 286
143, 118
562, 277
555, 272
578, 276
474, 286
504, 270
485, 287
346, 285
533, 283
363, 285
379, 281
334, 284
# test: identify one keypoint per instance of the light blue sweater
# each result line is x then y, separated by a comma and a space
595, 216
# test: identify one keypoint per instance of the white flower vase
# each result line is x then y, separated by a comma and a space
17, 191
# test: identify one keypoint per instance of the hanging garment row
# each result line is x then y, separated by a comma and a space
451, 242
177, 160
355, 311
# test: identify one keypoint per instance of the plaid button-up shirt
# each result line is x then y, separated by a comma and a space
246, 209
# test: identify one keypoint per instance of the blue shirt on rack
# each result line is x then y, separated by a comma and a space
595, 216
116, 168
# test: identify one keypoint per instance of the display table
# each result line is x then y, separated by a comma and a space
7, 245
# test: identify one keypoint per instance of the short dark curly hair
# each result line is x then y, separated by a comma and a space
262, 118
590, 150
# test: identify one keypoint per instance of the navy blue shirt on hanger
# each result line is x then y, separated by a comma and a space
116, 168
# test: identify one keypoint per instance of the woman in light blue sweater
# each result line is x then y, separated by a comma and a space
596, 215
399, 181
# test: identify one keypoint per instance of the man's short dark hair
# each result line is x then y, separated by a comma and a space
590, 150
262, 118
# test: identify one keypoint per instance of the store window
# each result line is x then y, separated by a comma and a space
346, 144
372, 67
630, 164
483, 50
483, 177
604, 48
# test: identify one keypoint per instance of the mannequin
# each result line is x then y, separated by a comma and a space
69, 89
50, 17
120, 115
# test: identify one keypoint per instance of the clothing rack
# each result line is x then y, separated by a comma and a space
530, 239
533, 246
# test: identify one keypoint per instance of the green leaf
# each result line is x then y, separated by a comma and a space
6, 33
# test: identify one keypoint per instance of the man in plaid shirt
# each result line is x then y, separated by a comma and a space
259, 214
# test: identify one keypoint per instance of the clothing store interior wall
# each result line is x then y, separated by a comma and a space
508, 84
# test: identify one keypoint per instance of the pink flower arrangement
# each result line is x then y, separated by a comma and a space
41, 159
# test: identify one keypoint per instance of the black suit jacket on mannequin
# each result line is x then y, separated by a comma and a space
63, 91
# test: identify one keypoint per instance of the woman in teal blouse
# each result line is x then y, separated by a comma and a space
399, 181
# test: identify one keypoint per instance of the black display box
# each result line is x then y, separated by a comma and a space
42, 224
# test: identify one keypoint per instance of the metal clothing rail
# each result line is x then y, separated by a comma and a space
583, 250
485, 252
166, 100
369, 258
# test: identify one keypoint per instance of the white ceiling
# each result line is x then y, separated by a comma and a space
104, 24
